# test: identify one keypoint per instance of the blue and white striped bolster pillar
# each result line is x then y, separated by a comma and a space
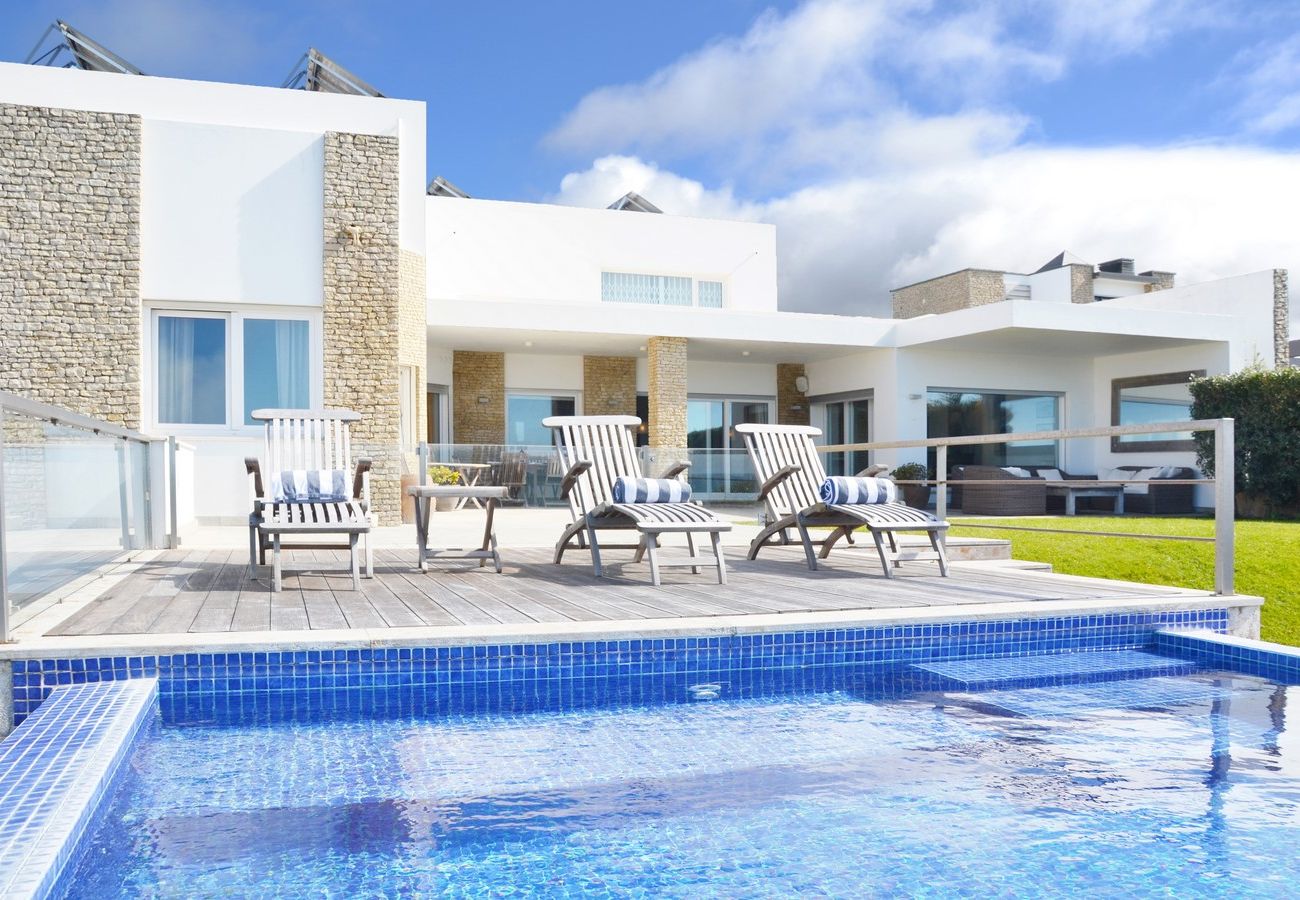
650, 490
310, 486
842, 490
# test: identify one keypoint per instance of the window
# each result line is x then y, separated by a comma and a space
710, 294
436, 412
212, 369
720, 466
192, 356
524, 414
1152, 398
659, 290
960, 413
277, 365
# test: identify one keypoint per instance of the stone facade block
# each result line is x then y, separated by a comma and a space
478, 376
667, 369
1281, 318
958, 290
1081, 284
363, 322
791, 403
70, 259
609, 385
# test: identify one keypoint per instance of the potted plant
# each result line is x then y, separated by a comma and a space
444, 475
914, 495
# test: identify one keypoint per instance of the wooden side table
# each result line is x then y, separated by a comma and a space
424, 495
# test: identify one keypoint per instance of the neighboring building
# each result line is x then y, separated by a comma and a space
1063, 279
1294, 351
178, 253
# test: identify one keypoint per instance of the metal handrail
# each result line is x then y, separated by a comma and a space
1224, 480
57, 415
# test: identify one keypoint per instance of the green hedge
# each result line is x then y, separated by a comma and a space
1266, 406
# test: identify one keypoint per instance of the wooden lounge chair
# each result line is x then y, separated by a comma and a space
597, 450
298, 440
791, 472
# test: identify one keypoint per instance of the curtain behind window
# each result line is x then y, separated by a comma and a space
191, 370
277, 365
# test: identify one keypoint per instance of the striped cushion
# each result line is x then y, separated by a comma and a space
650, 490
840, 490
310, 486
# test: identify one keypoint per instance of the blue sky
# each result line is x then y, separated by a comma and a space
888, 140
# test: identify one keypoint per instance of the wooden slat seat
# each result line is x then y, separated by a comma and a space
300, 439
791, 473
596, 451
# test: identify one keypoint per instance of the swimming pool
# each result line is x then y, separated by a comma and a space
1123, 773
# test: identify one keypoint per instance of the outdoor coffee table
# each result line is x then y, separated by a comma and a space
1114, 491
424, 495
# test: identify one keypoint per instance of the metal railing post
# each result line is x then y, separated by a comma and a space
941, 478
173, 531
422, 455
4, 561
1225, 494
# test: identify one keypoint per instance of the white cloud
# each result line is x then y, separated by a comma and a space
1202, 212
1268, 78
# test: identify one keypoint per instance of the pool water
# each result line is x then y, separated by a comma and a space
1166, 785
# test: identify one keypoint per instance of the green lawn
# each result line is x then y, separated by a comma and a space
1268, 557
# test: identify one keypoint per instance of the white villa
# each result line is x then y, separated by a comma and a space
174, 254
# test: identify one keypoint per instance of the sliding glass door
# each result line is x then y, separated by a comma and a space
954, 413
720, 467
847, 422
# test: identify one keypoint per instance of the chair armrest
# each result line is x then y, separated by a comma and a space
254, 470
778, 477
872, 471
571, 477
676, 469
361, 480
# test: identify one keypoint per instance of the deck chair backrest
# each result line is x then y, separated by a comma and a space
307, 439
772, 448
604, 441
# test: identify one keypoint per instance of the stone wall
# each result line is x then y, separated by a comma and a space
1163, 281
1081, 284
791, 403
1281, 318
477, 375
609, 385
666, 357
70, 259
362, 321
958, 290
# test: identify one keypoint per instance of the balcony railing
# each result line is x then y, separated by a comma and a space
76, 494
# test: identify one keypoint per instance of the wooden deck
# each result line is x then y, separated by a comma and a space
202, 591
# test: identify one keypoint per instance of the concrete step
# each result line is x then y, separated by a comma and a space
960, 549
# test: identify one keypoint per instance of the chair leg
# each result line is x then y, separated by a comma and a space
567, 538
261, 548
352, 561
690, 545
893, 548
884, 557
716, 540
832, 538
807, 544
252, 552
765, 535
640, 550
652, 550
595, 550
937, 544
275, 563
370, 556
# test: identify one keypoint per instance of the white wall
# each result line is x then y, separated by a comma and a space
543, 372
239, 105
730, 379
492, 250
1052, 286
231, 214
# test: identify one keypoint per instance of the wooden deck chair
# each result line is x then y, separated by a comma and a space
791, 474
299, 440
595, 451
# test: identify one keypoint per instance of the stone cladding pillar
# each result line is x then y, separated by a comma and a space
609, 385
478, 388
667, 369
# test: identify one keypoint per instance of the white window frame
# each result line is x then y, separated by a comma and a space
234, 316
695, 279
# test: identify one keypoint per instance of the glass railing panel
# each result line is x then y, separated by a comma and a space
74, 501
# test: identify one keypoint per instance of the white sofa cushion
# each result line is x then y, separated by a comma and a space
1140, 478
1016, 471
1050, 474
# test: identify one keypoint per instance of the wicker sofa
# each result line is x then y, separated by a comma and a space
991, 491
1158, 499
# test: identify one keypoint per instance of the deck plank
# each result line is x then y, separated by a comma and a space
207, 591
